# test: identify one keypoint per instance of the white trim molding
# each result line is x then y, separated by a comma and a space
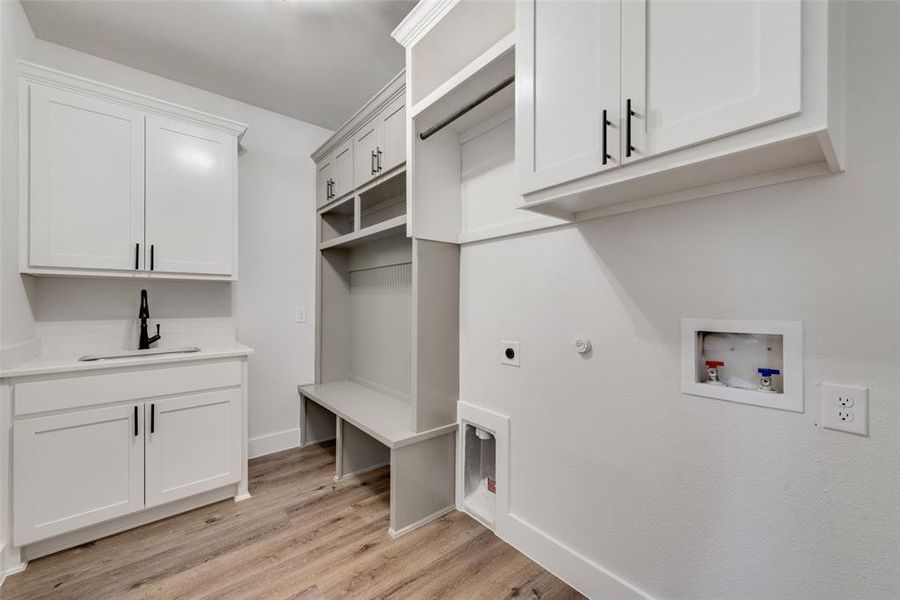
580, 572
273, 442
424, 15
35, 73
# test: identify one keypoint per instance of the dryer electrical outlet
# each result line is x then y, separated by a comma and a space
509, 353
845, 408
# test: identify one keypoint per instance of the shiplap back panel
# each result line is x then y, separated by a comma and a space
380, 328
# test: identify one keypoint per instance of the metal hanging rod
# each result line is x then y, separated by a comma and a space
433, 130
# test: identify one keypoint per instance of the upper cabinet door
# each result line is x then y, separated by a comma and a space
325, 181
366, 143
76, 469
191, 198
392, 152
193, 444
567, 80
343, 169
86, 182
695, 71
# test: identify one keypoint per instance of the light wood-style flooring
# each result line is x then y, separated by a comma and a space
301, 536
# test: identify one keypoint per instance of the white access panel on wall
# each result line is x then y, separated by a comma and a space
751, 362
191, 198
86, 162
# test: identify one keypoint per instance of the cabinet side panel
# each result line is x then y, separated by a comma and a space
334, 317
436, 356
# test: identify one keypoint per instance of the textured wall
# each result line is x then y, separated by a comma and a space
689, 497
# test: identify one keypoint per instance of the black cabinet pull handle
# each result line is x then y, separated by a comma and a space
152, 418
628, 114
137, 255
606, 124
379, 158
135, 421
372, 162
152, 249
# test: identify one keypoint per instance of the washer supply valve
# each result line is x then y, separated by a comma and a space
712, 371
765, 379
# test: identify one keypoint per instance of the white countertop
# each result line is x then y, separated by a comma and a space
43, 365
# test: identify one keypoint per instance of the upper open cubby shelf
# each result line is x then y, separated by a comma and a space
374, 213
490, 74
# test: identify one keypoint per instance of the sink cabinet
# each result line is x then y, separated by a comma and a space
122, 185
76, 469
190, 444
105, 450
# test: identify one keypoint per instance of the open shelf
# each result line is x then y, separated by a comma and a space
488, 70
381, 230
385, 418
337, 220
382, 203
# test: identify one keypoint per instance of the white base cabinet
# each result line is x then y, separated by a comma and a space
94, 447
191, 444
76, 469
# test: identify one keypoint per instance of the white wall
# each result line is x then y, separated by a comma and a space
16, 40
688, 497
16, 322
276, 247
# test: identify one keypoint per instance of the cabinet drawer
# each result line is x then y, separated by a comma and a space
85, 390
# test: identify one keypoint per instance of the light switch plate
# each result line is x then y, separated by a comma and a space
845, 408
301, 314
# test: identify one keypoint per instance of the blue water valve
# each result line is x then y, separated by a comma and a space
765, 379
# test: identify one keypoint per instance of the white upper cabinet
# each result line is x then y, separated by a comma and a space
325, 181
342, 180
393, 123
122, 185
695, 71
568, 109
366, 144
191, 200
701, 97
86, 171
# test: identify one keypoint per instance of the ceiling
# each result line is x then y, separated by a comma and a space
314, 60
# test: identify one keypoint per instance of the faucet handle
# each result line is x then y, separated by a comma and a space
157, 329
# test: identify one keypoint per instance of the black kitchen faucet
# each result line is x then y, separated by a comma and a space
143, 315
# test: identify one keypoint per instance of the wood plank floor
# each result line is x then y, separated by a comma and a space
301, 536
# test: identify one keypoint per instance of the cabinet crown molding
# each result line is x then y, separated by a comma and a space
36, 73
420, 20
394, 88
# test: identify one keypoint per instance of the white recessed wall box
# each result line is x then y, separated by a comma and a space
753, 362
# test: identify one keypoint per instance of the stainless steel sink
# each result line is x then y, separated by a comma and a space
139, 353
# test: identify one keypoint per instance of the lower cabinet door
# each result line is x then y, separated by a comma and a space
76, 469
193, 444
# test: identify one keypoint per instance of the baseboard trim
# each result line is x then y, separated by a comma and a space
100, 530
586, 576
423, 521
362, 471
273, 442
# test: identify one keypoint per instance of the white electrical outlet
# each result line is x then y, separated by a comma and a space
301, 314
845, 408
509, 353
